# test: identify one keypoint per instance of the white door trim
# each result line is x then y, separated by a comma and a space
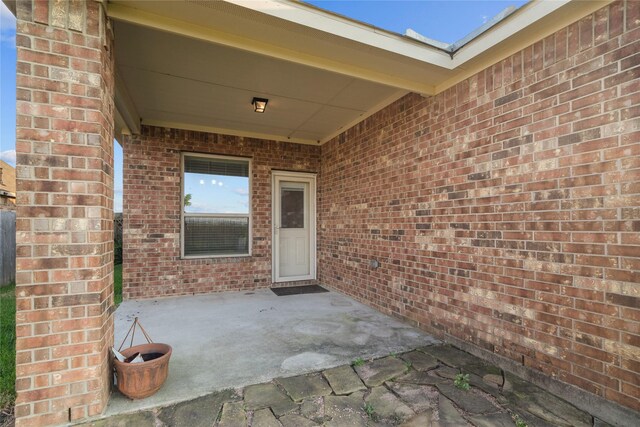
309, 178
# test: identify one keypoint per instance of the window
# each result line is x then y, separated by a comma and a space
215, 205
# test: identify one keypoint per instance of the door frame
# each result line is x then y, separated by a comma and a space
305, 177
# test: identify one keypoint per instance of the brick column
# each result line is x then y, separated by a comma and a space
64, 210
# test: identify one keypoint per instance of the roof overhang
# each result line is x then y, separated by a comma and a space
347, 60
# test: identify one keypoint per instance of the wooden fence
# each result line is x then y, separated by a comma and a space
7, 247
117, 238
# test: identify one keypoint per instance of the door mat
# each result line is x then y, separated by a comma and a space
297, 290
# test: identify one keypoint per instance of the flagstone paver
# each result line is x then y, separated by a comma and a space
422, 378
347, 421
345, 411
293, 420
420, 361
196, 413
142, 419
313, 409
377, 372
447, 372
533, 421
466, 400
450, 355
415, 389
496, 380
544, 405
233, 415
488, 385
343, 380
421, 420
264, 418
599, 423
268, 396
448, 414
387, 406
482, 369
548, 413
420, 398
305, 386
500, 419
486, 377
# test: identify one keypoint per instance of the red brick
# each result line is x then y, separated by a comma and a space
157, 152
597, 175
43, 90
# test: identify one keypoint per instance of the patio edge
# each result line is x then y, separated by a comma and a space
607, 411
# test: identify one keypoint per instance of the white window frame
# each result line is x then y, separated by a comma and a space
183, 214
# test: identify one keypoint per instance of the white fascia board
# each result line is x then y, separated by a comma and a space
417, 36
333, 24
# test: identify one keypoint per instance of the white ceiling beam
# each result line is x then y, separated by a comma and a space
225, 131
120, 127
126, 107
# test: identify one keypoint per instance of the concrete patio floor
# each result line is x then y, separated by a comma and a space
234, 339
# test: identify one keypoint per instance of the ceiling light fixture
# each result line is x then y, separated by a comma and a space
259, 104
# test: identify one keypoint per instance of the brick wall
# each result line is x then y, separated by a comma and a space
505, 210
64, 211
151, 207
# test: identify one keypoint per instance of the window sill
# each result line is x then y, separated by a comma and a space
232, 256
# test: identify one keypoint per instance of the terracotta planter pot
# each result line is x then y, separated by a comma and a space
140, 380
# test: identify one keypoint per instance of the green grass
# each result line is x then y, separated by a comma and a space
358, 362
7, 345
117, 284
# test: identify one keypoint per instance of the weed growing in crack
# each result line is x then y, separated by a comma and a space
462, 382
370, 411
519, 421
359, 361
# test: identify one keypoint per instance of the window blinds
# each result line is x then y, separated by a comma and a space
212, 166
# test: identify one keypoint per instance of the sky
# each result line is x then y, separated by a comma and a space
7, 85
443, 20
208, 190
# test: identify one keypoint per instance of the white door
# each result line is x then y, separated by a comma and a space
294, 221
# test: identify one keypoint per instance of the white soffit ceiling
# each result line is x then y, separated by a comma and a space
177, 81
196, 64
